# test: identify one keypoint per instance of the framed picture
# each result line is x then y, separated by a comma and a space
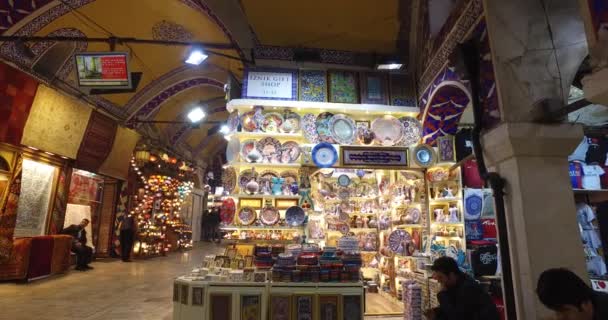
230, 252
280, 307
198, 295
175, 292
251, 307
446, 148
240, 264
220, 306
352, 307
304, 307
184, 294
313, 85
329, 307
248, 261
270, 83
343, 87
362, 124
401, 91
374, 88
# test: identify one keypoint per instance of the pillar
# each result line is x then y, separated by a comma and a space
537, 47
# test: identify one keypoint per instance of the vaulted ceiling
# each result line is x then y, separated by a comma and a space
169, 88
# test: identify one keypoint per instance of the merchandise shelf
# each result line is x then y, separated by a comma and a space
244, 105
244, 135
264, 165
264, 196
271, 228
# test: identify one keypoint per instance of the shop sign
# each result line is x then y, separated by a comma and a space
273, 84
373, 157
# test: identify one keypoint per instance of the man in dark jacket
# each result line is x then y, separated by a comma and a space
79, 247
570, 297
128, 228
461, 297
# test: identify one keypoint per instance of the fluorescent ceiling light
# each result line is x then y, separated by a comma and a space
389, 66
196, 115
196, 57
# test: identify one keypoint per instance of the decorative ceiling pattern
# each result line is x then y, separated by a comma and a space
171, 31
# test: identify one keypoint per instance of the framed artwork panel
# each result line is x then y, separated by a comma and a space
313, 85
374, 87
352, 308
343, 87
446, 148
198, 296
251, 307
184, 294
280, 307
401, 91
304, 307
220, 306
329, 307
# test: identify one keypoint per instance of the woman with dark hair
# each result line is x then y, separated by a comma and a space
570, 297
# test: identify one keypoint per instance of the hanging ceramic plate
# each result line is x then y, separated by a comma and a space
246, 216
342, 129
398, 240
269, 215
309, 128
290, 177
245, 177
291, 122
424, 156
227, 211
272, 122
246, 147
295, 216
323, 127
229, 179
248, 122
292, 149
324, 155
343, 180
388, 130
233, 149
412, 131
270, 149
233, 122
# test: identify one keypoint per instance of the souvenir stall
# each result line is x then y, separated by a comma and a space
84, 199
164, 184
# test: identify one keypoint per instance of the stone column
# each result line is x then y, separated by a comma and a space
537, 47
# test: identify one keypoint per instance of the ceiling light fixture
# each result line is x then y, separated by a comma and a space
196, 115
196, 57
389, 66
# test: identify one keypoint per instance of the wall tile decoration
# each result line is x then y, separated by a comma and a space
343, 87
313, 85
374, 87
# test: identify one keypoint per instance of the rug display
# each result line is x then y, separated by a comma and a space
8, 213
33, 207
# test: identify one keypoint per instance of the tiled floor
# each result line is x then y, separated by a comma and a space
112, 291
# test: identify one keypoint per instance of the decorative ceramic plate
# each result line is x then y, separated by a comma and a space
272, 122
292, 149
233, 149
227, 211
473, 204
233, 122
343, 180
342, 129
247, 216
246, 147
309, 128
398, 240
291, 122
290, 177
229, 179
270, 149
295, 216
269, 215
246, 176
323, 127
424, 156
412, 131
324, 155
343, 228
414, 213
388, 130
248, 122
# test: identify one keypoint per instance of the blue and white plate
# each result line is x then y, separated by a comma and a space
324, 155
424, 156
295, 216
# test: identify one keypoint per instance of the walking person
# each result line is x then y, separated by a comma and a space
84, 253
461, 297
128, 228
205, 225
214, 224
570, 297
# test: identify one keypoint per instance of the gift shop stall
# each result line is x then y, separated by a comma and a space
321, 194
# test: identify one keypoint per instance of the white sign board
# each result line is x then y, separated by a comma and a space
270, 85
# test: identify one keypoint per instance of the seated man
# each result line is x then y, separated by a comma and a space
79, 247
461, 297
570, 297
